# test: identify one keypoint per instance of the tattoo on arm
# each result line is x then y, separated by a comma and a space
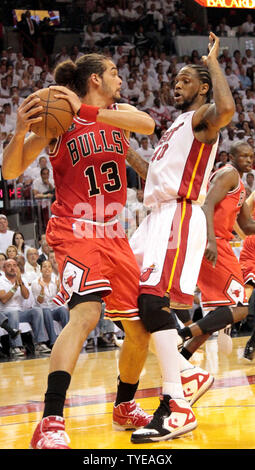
137, 163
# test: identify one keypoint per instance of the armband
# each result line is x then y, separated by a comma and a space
87, 112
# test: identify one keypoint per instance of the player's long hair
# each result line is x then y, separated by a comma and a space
75, 75
204, 77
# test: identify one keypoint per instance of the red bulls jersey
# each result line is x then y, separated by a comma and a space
227, 210
89, 171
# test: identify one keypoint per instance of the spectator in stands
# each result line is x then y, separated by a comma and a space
245, 81
232, 79
11, 252
42, 187
6, 235
13, 291
18, 240
145, 150
249, 181
29, 34
3, 257
52, 259
44, 290
32, 268
45, 250
248, 26
62, 55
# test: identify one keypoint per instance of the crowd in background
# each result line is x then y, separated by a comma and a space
138, 39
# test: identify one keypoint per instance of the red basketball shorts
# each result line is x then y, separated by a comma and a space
96, 258
247, 259
222, 284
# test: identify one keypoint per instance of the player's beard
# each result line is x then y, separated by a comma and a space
107, 90
187, 103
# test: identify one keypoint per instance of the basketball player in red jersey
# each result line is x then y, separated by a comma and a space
170, 242
247, 262
93, 254
220, 279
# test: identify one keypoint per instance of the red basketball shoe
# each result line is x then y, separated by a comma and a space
195, 382
128, 416
50, 434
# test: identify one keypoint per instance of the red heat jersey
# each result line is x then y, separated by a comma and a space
227, 210
89, 171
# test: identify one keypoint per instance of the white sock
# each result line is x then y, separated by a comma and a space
184, 364
166, 350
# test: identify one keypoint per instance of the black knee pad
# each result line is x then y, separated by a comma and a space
152, 314
183, 315
80, 299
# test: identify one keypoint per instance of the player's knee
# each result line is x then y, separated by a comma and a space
155, 313
136, 334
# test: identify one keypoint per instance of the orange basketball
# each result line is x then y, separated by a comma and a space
57, 115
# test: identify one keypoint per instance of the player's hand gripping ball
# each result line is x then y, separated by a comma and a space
57, 115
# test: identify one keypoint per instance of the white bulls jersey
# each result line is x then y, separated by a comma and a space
180, 166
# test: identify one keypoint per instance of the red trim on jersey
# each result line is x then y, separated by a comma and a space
190, 168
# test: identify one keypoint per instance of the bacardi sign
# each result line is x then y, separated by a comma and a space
227, 3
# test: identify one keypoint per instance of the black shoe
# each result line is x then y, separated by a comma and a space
14, 333
249, 351
106, 340
172, 418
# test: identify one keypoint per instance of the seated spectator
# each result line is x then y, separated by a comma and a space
3, 257
232, 79
145, 150
248, 25
249, 181
13, 291
62, 55
6, 235
11, 252
44, 290
42, 187
245, 81
223, 159
54, 265
45, 250
19, 241
32, 268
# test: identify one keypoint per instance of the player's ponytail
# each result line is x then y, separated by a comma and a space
65, 74
75, 75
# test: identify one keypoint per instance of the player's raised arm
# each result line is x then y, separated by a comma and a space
20, 153
214, 116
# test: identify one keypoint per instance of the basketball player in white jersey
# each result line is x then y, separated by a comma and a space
170, 242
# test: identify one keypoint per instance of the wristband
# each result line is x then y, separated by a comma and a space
13, 290
41, 296
87, 112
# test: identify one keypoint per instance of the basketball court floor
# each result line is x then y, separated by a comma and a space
225, 414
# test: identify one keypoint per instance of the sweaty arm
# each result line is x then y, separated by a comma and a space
245, 221
222, 183
250, 204
210, 118
22, 151
127, 117
137, 163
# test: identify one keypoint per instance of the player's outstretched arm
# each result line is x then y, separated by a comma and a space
126, 117
20, 153
220, 113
